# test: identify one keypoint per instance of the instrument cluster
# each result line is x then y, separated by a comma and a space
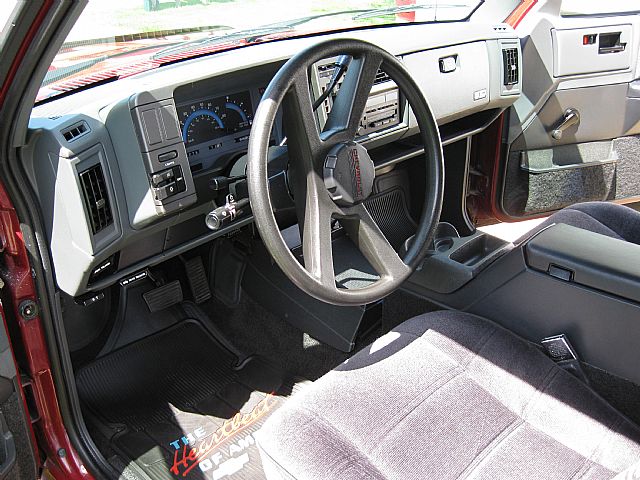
214, 126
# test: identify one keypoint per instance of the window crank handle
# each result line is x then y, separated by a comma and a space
571, 117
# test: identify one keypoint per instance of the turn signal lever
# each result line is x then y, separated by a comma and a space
218, 183
571, 117
225, 214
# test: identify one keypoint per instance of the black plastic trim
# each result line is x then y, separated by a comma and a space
597, 261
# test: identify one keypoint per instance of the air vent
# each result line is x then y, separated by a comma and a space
96, 198
510, 64
75, 131
381, 77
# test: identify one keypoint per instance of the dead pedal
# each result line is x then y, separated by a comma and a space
197, 279
164, 296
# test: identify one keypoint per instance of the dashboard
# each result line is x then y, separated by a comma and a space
122, 170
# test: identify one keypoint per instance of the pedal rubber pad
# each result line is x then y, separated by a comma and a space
197, 279
164, 296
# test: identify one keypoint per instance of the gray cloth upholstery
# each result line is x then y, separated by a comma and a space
448, 395
609, 219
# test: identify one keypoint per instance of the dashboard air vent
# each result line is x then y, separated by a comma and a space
381, 77
510, 64
75, 131
96, 198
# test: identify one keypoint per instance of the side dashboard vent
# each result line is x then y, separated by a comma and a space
381, 77
510, 66
96, 198
75, 131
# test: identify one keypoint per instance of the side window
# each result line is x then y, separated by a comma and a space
597, 7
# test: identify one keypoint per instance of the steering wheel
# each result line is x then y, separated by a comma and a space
330, 175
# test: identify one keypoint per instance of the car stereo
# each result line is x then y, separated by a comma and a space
382, 110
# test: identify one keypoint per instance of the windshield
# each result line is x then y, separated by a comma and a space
118, 38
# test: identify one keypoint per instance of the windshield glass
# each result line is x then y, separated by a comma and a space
117, 38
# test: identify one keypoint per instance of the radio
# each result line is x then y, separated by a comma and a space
382, 110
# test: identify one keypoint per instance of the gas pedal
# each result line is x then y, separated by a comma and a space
164, 296
197, 278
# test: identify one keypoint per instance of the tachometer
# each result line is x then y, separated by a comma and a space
238, 112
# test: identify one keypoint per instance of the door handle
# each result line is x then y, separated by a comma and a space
613, 49
571, 117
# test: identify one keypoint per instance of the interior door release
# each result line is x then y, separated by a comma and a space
571, 117
610, 43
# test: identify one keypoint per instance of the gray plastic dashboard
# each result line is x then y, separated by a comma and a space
114, 166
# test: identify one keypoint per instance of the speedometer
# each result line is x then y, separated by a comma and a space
207, 123
201, 123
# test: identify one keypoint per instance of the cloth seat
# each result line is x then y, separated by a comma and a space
448, 395
613, 220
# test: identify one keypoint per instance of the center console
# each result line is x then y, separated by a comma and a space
562, 280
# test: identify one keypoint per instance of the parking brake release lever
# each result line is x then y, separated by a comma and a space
225, 214
571, 117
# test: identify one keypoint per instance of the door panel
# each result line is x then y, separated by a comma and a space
582, 70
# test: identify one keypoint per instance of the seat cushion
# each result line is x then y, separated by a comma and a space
443, 396
613, 220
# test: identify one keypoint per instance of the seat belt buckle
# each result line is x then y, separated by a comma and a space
560, 350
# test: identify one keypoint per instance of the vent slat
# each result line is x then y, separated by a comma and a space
510, 65
96, 199
75, 131
381, 77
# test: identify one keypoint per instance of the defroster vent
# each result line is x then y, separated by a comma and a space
510, 64
96, 198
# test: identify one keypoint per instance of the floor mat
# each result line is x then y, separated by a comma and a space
176, 405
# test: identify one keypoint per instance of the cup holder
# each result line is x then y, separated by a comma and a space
443, 238
443, 244
453, 261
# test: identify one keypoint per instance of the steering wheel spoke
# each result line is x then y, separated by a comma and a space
316, 232
349, 104
367, 236
303, 137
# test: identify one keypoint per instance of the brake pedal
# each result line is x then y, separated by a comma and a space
197, 278
560, 350
164, 296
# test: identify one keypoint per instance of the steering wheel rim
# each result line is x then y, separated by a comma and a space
308, 149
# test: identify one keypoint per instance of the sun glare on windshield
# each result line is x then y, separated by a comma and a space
118, 38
